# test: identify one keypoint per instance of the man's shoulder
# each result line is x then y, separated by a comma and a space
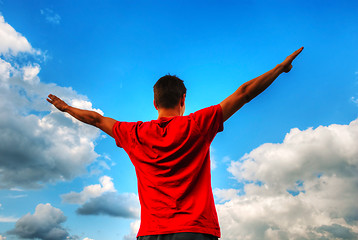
208, 110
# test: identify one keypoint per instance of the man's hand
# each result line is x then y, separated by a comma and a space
287, 64
57, 102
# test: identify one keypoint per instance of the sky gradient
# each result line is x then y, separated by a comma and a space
285, 166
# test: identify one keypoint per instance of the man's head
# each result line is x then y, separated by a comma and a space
169, 92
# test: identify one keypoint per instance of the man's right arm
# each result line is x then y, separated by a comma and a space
90, 117
249, 90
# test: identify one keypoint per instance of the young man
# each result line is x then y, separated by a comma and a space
171, 155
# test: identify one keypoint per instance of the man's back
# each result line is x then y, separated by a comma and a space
172, 162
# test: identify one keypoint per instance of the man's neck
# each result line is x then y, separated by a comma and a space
168, 112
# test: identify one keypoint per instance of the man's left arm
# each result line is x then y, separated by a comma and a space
89, 117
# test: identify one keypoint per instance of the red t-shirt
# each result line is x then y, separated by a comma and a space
171, 157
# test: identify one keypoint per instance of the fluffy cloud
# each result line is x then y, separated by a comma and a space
113, 204
303, 188
5, 70
39, 143
103, 199
12, 42
44, 224
92, 191
30, 73
134, 230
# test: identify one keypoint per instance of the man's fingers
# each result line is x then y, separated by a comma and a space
294, 55
298, 51
52, 98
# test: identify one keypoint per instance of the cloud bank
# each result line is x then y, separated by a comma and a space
44, 224
103, 199
39, 144
303, 188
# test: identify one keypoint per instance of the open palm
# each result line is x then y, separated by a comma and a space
57, 102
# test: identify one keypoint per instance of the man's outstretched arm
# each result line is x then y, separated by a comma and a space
90, 117
249, 90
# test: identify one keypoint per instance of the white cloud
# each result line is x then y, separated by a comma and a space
224, 195
134, 230
84, 104
103, 199
17, 196
8, 219
11, 41
16, 189
44, 224
30, 73
91, 191
39, 143
303, 188
101, 164
51, 16
5, 69
84, 239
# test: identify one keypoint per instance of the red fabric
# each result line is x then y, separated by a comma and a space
171, 157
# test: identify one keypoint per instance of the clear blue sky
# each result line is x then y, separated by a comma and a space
112, 52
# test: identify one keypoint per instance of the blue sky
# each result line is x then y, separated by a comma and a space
292, 146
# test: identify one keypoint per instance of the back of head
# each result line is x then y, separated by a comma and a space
168, 91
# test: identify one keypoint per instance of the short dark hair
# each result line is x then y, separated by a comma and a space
168, 91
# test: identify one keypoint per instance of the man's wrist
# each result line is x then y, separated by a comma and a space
66, 108
280, 68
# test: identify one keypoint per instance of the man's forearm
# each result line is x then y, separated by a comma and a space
90, 117
249, 90
86, 116
257, 85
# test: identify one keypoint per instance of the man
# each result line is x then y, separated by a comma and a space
171, 155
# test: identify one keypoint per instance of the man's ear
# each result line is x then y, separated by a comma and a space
155, 105
182, 100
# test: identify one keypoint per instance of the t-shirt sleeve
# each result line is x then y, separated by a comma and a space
122, 132
209, 121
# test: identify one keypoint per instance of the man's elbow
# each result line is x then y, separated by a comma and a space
97, 120
244, 94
